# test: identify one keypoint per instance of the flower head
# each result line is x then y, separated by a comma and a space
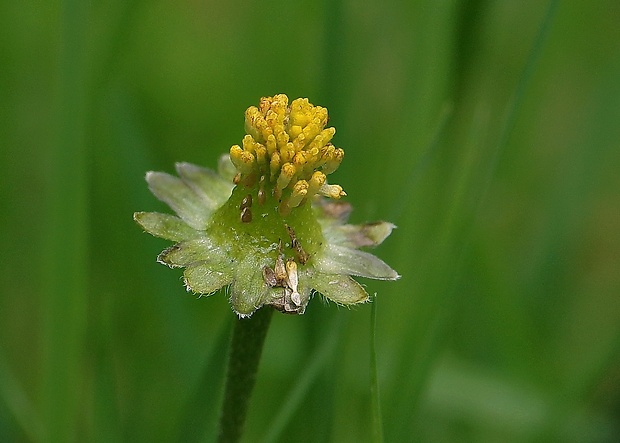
268, 224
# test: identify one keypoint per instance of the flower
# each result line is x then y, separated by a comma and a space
268, 224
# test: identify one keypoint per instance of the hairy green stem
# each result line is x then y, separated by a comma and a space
245, 351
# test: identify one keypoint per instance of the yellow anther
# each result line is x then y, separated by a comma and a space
255, 124
311, 131
312, 154
287, 152
265, 130
332, 163
286, 174
327, 135
321, 114
301, 113
300, 190
332, 191
318, 179
261, 156
235, 154
279, 131
274, 165
299, 142
251, 114
282, 139
271, 118
265, 104
294, 131
248, 143
271, 145
327, 152
319, 141
279, 103
243, 160
248, 160
299, 160
290, 146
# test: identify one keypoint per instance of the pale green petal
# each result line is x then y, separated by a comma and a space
186, 203
191, 251
203, 278
341, 260
225, 168
340, 289
248, 291
356, 236
206, 183
165, 226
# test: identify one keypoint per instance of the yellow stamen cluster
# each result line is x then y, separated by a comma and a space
287, 147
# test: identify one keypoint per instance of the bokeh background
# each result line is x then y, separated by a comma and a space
488, 131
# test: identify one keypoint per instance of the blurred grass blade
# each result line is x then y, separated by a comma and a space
200, 415
447, 112
65, 251
16, 401
298, 393
377, 422
524, 81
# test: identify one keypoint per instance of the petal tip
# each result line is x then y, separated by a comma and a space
149, 176
181, 167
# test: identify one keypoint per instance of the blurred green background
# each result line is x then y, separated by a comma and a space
488, 131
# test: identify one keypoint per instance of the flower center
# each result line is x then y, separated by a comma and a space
287, 152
